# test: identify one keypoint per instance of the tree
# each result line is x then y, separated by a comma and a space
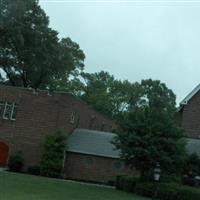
148, 133
192, 165
53, 155
106, 94
31, 54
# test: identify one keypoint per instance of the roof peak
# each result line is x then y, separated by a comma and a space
190, 95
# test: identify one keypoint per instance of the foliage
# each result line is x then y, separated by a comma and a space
53, 155
31, 54
148, 133
166, 190
191, 181
171, 178
126, 183
34, 170
105, 93
192, 165
16, 162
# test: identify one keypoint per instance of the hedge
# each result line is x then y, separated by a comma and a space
166, 191
126, 183
16, 162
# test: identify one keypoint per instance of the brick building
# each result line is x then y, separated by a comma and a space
26, 117
92, 156
188, 117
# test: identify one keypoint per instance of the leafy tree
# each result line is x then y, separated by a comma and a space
148, 133
53, 155
106, 94
192, 165
31, 54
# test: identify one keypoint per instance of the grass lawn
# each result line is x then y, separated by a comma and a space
26, 187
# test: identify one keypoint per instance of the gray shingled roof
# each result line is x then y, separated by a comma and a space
193, 146
92, 142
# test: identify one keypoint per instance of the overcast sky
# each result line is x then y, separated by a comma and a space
134, 41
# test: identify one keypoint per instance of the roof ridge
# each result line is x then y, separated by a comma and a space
190, 95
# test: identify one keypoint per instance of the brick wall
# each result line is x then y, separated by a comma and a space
189, 117
40, 114
92, 168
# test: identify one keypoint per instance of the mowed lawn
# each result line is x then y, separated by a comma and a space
26, 187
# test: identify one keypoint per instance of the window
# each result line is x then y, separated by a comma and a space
92, 121
72, 117
2, 106
102, 126
7, 110
14, 111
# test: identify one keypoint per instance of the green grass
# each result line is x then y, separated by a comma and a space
26, 187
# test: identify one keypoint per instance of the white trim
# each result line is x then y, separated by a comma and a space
72, 117
93, 154
5, 110
11, 115
189, 96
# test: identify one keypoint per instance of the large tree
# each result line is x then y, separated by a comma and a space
148, 133
31, 54
106, 94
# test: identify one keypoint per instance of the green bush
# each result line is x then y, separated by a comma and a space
171, 178
16, 162
126, 183
144, 188
129, 184
53, 155
192, 165
168, 191
34, 170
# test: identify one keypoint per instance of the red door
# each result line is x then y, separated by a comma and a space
4, 149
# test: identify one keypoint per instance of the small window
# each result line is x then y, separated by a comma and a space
14, 111
2, 107
72, 117
102, 126
92, 118
7, 110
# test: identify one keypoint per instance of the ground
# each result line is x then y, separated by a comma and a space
26, 187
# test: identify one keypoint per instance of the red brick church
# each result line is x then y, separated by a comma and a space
27, 116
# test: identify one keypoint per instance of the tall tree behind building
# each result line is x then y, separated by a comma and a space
148, 133
31, 54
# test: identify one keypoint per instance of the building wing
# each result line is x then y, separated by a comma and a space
93, 142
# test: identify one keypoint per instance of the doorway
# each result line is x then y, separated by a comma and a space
4, 150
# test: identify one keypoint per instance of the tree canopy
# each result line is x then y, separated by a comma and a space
106, 94
148, 133
31, 55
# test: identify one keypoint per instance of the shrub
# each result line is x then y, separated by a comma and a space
111, 183
129, 183
168, 191
34, 170
53, 155
171, 178
191, 181
192, 165
16, 162
126, 183
144, 188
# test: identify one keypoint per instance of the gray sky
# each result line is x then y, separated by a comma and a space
134, 41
